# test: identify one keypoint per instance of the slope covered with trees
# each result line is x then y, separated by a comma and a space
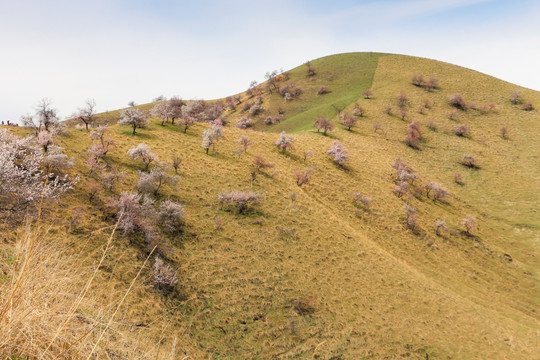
361, 222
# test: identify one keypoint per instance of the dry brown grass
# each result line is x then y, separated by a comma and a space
374, 288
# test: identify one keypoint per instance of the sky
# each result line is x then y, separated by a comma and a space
116, 51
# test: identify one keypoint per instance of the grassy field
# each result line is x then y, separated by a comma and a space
317, 277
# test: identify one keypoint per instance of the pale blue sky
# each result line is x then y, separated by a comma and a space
117, 51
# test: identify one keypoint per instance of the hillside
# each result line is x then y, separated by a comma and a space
308, 273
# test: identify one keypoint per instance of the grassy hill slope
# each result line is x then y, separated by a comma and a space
317, 277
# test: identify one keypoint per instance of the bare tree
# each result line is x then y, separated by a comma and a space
86, 113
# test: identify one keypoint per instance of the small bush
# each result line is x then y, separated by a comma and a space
457, 101
458, 179
462, 130
440, 227
410, 213
469, 223
310, 70
164, 277
414, 134
469, 161
358, 110
304, 305
452, 115
240, 200
244, 123
528, 106
302, 177
432, 125
516, 98
244, 141
360, 200
437, 190
504, 132
323, 89
260, 163
171, 216
403, 100
367, 93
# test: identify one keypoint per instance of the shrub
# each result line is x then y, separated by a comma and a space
360, 200
462, 130
418, 80
439, 192
176, 162
403, 100
440, 227
110, 179
410, 213
171, 216
338, 153
323, 123
452, 115
271, 120
260, 163
414, 134
401, 188
469, 223
302, 177
367, 93
427, 103
323, 89
142, 152
244, 123
310, 70
255, 109
458, 179
358, 110
432, 83
284, 142
240, 200
504, 132
388, 110
307, 154
151, 182
244, 141
516, 98
528, 106
403, 113
377, 127
469, 161
164, 277
404, 172
432, 125
457, 101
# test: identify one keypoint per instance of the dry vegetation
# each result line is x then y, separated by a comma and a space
339, 267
